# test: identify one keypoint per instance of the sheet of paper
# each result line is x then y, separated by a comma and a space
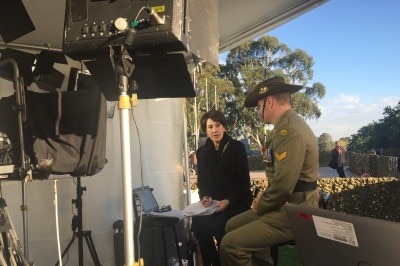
197, 208
194, 209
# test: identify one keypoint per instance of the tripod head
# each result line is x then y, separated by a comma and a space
79, 193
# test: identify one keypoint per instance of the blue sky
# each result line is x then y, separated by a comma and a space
356, 49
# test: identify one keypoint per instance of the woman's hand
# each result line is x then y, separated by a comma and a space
206, 201
255, 203
222, 204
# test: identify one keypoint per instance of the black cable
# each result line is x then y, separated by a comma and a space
141, 181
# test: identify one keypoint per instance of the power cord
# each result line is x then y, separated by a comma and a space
142, 184
57, 227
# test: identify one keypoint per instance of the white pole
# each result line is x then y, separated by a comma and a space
185, 154
206, 95
124, 106
215, 97
196, 130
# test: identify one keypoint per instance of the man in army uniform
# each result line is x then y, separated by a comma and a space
292, 172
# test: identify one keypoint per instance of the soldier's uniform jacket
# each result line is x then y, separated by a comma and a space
292, 155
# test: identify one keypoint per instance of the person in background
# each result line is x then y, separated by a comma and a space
193, 163
223, 178
292, 172
338, 154
381, 151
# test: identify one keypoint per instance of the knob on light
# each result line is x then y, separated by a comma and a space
121, 24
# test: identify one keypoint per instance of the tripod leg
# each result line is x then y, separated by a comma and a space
164, 246
2, 260
67, 248
11, 247
177, 245
2, 252
92, 249
6, 252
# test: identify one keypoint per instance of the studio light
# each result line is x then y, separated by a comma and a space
14, 20
35, 68
24, 61
45, 75
159, 37
45, 61
50, 81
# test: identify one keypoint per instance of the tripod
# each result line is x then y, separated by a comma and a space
78, 232
11, 252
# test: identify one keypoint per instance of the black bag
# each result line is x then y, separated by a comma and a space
63, 134
333, 164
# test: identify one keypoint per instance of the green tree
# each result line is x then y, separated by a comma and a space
245, 67
258, 60
325, 142
361, 141
389, 132
382, 133
213, 92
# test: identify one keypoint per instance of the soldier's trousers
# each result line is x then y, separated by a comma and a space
249, 235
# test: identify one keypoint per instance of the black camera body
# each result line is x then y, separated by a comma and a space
164, 208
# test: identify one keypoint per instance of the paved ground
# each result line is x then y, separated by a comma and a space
323, 172
329, 172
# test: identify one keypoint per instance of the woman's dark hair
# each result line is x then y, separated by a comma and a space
214, 115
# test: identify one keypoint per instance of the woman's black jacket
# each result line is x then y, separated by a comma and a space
224, 173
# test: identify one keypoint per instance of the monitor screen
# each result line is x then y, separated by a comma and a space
149, 202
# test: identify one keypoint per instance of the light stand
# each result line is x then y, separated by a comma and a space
22, 173
123, 68
80, 233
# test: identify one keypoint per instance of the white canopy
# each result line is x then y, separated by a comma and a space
157, 158
239, 21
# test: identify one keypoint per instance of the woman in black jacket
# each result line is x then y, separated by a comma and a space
223, 180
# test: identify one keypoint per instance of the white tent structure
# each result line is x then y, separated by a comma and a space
157, 157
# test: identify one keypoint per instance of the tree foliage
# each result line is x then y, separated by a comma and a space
255, 61
212, 92
325, 142
246, 66
383, 133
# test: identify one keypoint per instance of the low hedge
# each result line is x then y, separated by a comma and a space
363, 164
377, 197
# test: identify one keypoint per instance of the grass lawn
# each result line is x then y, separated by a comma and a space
289, 256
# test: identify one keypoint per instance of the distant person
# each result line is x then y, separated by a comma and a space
338, 154
381, 151
222, 176
193, 162
398, 163
292, 171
